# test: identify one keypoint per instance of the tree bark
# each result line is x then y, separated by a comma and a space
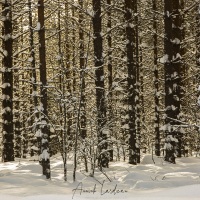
99, 83
156, 81
7, 82
45, 133
132, 79
173, 64
110, 76
33, 76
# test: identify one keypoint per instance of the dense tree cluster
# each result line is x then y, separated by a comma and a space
99, 80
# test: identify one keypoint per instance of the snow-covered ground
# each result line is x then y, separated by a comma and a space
23, 180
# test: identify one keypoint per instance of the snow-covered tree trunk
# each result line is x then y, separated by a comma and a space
99, 83
82, 62
131, 67
7, 82
156, 80
142, 111
137, 89
33, 78
110, 73
44, 128
62, 88
178, 63
198, 43
16, 91
74, 84
173, 62
198, 53
68, 73
82, 74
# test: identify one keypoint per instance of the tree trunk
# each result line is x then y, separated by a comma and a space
82, 74
45, 133
156, 81
198, 56
16, 93
99, 83
132, 79
137, 89
110, 76
73, 49
33, 76
83, 119
7, 82
173, 63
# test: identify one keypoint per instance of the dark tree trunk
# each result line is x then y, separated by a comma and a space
43, 92
173, 63
156, 81
16, 94
178, 66
7, 82
198, 54
110, 75
99, 83
198, 44
132, 79
73, 50
137, 90
142, 111
82, 74
83, 119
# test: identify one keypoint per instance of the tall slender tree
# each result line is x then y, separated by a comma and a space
99, 83
33, 74
173, 62
44, 128
16, 91
110, 72
156, 79
7, 82
198, 54
82, 74
137, 88
132, 79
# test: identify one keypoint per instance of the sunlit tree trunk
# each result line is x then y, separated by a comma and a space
33, 77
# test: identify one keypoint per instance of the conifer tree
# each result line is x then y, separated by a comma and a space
7, 82
132, 79
172, 64
44, 127
99, 83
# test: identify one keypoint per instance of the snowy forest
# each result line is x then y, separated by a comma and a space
99, 82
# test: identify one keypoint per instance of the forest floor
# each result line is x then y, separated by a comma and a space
22, 179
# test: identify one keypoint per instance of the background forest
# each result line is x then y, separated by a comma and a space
99, 80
